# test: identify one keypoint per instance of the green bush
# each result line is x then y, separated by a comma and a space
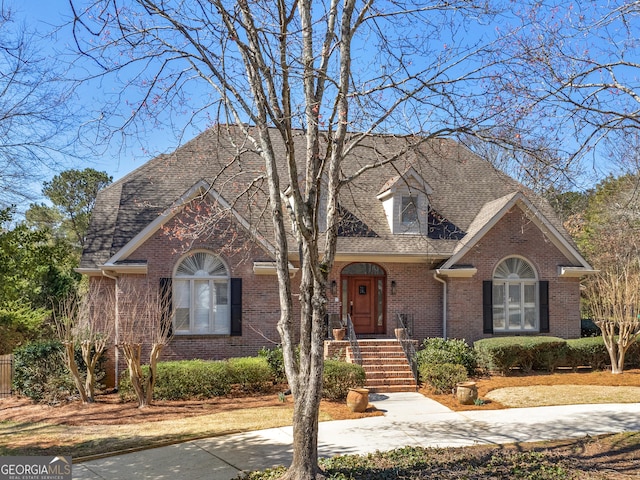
587, 351
184, 380
439, 350
252, 374
504, 353
442, 377
339, 377
275, 360
41, 373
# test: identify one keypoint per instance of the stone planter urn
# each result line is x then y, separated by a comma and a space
339, 333
467, 393
358, 399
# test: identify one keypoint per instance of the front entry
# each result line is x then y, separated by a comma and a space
363, 288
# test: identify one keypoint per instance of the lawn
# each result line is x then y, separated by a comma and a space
112, 426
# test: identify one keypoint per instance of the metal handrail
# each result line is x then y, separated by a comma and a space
353, 341
408, 345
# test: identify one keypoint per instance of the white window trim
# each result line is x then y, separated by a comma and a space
522, 282
213, 309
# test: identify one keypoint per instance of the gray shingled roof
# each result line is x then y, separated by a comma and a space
463, 184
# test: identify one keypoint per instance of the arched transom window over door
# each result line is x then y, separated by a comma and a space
515, 297
201, 295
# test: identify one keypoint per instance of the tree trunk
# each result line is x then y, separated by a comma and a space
69, 352
132, 354
156, 349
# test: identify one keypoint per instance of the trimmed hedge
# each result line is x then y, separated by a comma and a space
504, 353
184, 380
252, 374
548, 353
339, 377
587, 351
442, 377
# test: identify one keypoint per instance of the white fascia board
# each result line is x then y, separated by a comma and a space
573, 272
196, 190
457, 272
90, 272
129, 268
270, 268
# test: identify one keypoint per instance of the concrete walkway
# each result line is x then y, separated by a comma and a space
410, 419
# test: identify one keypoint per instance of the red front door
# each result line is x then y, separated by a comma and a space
363, 299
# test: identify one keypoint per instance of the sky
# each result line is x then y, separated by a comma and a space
43, 15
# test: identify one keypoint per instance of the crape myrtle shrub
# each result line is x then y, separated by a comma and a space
339, 377
41, 373
505, 353
455, 351
502, 354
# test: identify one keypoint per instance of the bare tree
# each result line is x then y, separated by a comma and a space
35, 110
574, 67
85, 320
144, 327
336, 71
614, 300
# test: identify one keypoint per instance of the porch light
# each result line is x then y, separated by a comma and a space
334, 287
393, 287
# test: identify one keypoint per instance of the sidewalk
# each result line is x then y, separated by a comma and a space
410, 419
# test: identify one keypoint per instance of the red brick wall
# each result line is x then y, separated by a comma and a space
260, 300
514, 234
418, 294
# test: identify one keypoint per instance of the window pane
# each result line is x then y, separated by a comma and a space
181, 321
345, 301
530, 318
498, 317
222, 292
530, 294
514, 295
380, 299
181, 301
202, 306
409, 212
515, 318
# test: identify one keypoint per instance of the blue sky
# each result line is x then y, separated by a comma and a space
43, 15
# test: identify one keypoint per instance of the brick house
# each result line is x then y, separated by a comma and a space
439, 237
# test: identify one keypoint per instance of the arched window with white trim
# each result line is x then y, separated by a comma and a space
515, 296
201, 295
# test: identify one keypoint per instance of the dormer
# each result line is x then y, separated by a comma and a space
406, 204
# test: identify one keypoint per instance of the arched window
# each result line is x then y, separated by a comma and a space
515, 296
201, 295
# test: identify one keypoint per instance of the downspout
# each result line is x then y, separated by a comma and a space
117, 329
444, 304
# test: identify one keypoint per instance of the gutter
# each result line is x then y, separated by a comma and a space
444, 303
117, 329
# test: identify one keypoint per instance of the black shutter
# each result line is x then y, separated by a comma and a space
544, 306
487, 306
236, 307
166, 304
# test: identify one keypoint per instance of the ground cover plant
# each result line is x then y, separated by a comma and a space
605, 457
